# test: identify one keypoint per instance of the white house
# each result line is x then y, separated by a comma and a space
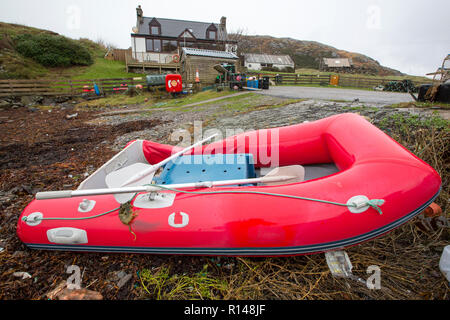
160, 39
254, 61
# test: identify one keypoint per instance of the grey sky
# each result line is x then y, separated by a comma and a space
409, 35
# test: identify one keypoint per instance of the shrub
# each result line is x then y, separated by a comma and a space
53, 50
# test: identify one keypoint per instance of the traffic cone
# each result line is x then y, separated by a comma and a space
197, 77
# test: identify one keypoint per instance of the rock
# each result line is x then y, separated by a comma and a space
31, 100
4, 104
61, 292
80, 294
55, 292
62, 99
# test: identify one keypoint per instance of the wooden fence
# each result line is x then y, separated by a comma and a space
118, 54
62, 87
325, 80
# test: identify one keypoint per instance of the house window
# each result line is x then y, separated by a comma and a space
153, 45
155, 30
187, 44
212, 34
169, 46
157, 45
149, 44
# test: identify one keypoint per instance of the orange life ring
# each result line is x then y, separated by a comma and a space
175, 58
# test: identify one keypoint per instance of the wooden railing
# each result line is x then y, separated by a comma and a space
149, 57
62, 87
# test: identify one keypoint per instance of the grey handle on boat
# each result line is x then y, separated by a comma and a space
53, 195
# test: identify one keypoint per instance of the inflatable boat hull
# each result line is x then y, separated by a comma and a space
370, 163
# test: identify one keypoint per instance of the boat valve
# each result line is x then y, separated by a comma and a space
86, 205
152, 196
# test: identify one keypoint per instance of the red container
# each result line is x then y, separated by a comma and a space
174, 83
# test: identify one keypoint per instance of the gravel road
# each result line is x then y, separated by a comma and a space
366, 96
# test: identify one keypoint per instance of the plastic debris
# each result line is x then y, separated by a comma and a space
71, 116
433, 210
444, 263
339, 263
23, 275
123, 280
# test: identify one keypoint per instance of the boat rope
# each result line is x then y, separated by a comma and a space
375, 203
25, 218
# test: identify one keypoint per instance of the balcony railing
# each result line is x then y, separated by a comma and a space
150, 58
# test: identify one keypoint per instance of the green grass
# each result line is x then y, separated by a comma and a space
120, 99
148, 100
180, 103
104, 69
405, 124
16, 66
423, 105
162, 285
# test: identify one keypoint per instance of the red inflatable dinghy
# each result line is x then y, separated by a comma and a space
301, 189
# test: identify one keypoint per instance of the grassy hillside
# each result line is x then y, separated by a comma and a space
308, 54
30, 53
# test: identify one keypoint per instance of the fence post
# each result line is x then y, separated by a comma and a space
71, 88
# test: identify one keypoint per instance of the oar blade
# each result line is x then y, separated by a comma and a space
297, 172
116, 179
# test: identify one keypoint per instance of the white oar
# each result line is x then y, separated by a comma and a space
207, 184
139, 174
155, 167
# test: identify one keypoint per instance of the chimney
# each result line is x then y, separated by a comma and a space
223, 23
223, 36
140, 15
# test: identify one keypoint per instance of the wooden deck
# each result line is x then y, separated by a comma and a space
150, 65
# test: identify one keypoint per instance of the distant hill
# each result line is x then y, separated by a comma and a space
28, 53
308, 54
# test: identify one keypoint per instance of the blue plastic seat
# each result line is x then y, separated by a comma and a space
199, 168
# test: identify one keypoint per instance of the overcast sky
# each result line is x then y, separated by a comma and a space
408, 35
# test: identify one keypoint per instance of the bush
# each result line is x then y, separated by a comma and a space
53, 50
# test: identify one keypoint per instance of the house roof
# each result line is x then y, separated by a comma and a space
174, 28
209, 53
337, 63
267, 58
